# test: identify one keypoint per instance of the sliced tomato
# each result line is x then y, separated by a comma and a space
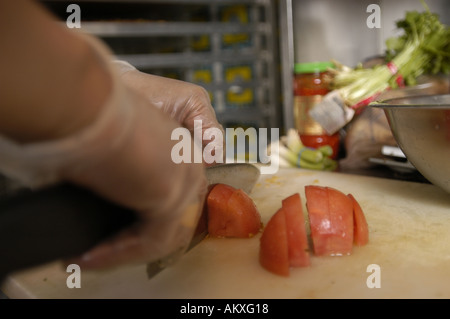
361, 228
296, 231
318, 212
217, 206
331, 220
274, 253
220, 194
246, 220
231, 213
341, 209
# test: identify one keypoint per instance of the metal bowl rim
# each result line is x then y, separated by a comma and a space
393, 103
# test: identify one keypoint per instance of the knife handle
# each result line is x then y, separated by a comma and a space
57, 222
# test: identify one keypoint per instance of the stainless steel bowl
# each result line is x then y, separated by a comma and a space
421, 127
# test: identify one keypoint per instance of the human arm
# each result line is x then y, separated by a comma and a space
66, 115
52, 83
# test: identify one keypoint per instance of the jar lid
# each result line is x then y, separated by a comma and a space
312, 67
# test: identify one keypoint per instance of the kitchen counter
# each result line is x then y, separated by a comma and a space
386, 172
409, 225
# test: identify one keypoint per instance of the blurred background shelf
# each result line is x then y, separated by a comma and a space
229, 47
114, 29
242, 51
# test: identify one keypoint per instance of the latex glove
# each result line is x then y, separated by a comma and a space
125, 156
183, 101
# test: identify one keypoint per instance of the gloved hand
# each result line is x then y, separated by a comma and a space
125, 156
183, 101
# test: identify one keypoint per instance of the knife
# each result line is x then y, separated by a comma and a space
238, 175
65, 220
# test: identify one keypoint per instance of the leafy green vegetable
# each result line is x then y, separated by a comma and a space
430, 40
424, 48
292, 153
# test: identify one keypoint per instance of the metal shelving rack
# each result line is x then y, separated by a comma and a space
285, 18
258, 55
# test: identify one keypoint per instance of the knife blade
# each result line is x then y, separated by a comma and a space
238, 175
65, 220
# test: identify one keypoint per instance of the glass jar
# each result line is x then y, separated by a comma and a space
309, 88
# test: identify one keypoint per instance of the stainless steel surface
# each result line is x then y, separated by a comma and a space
402, 167
392, 151
421, 127
105, 29
394, 158
286, 45
238, 175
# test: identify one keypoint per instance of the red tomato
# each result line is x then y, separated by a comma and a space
331, 220
361, 229
318, 212
296, 231
220, 194
216, 205
274, 253
231, 213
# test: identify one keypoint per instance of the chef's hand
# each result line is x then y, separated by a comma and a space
183, 101
125, 156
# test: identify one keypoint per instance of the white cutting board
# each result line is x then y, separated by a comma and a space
409, 226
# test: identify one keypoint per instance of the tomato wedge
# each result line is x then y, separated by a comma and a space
231, 213
216, 206
337, 222
361, 228
318, 212
274, 252
296, 231
331, 220
284, 242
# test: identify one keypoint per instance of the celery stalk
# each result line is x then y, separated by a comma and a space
326, 150
288, 155
309, 165
311, 155
423, 48
293, 141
